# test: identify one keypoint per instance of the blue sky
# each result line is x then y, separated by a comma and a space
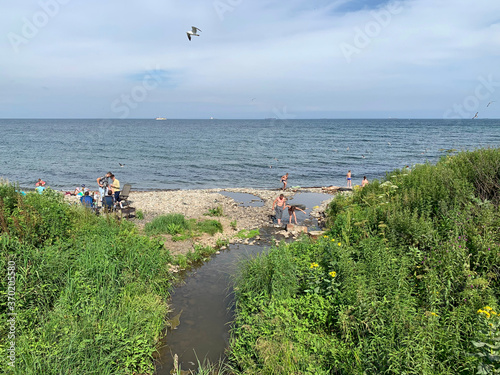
253, 59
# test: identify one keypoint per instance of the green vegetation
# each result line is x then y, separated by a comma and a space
139, 215
245, 233
200, 254
90, 291
217, 211
234, 224
181, 228
406, 281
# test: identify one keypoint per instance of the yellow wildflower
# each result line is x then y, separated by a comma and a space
434, 314
487, 308
314, 265
339, 244
333, 274
484, 312
325, 236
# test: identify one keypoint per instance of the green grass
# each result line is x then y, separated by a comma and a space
245, 233
394, 287
90, 291
181, 228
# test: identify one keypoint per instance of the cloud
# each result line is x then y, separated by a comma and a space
323, 58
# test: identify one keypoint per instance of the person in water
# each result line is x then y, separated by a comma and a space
364, 182
348, 178
283, 180
291, 212
279, 205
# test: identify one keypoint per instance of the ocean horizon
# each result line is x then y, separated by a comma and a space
227, 153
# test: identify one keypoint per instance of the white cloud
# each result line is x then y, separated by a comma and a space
417, 56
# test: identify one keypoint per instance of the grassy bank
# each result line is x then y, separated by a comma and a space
405, 281
90, 292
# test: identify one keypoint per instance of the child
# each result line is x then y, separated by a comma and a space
291, 212
348, 177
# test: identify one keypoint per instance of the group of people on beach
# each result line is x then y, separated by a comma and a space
108, 194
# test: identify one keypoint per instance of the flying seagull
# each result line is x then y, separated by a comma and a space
475, 116
490, 103
193, 31
121, 165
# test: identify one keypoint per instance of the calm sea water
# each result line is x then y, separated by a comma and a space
189, 154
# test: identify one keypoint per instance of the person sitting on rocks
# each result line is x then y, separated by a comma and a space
108, 202
87, 200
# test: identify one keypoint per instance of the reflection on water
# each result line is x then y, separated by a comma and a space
205, 300
245, 199
310, 200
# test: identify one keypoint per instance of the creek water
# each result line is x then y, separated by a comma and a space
204, 299
244, 199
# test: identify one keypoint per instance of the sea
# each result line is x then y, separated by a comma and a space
168, 154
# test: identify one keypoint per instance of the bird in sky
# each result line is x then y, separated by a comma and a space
475, 116
193, 32
490, 103
121, 165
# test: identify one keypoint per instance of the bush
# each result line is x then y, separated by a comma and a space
394, 285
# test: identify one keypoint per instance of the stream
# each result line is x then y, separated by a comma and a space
202, 304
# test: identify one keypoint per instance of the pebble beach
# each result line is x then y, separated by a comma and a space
196, 203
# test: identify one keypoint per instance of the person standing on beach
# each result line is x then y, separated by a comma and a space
364, 182
348, 178
103, 183
279, 205
283, 180
115, 187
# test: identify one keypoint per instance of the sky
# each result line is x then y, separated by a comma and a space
252, 59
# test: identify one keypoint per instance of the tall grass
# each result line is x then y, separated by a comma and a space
90, 291
395, 285
177, 224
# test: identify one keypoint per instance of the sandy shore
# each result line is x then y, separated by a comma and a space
196, 203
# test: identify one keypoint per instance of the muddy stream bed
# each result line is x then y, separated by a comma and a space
202, 303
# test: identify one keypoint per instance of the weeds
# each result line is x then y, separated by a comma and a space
393, 287
217, 211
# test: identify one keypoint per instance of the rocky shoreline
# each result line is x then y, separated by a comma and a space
196, 203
